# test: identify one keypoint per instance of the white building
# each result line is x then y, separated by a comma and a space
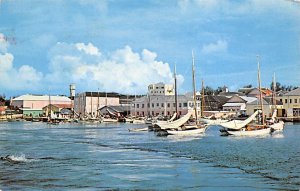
160, 100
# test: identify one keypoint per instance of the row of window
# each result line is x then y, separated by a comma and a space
160, 113
290, 101
157, 92
168, 105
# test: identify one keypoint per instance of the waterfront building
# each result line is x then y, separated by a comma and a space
58, 110
238, 104
160, 101
291, 103
89, 103
32, 105
268, 107
163, 105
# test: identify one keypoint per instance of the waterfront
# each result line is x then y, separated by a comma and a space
107, 156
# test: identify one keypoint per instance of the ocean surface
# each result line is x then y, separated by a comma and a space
109, 157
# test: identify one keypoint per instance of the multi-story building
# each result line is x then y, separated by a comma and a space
89, 103
291, 103
160, 100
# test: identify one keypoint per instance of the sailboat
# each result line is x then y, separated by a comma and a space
274, 123
193, 128
254, 129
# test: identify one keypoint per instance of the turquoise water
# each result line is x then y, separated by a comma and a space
106, 157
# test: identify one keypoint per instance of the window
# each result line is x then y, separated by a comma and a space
295, 100
152, 113
152, 105
148, 104
168, 113
174, 105
179, 112
162, 105
143, 105
184, 104
281, 100
143, 113
290, 100
179, 104
137, 113
285, 100
168, 104
137, 105
157, 104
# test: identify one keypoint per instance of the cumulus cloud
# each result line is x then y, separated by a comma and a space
88, 49
122, 70
16, 78
218, 47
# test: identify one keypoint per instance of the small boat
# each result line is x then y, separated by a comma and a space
255, 132
138, 129
109, 120
243, 127
188, 130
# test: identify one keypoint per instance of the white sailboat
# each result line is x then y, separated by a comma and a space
252, 129
192, 129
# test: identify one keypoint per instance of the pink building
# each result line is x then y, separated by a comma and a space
32, 105
38, 101
88, 103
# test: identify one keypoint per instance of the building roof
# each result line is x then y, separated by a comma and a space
29, 97
233, 104
266, 101
165, 98
295, 92
59, 105
115, 109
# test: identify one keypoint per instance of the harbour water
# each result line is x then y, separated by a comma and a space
107, 156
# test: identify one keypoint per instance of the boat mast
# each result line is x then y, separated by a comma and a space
194, 87
274, 92
202, 100
175, 81
260, 92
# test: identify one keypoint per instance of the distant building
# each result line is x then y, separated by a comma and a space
268, 106
163, 105
161, 89
237, 104
59, 110
89, 103
32, 105
291, 103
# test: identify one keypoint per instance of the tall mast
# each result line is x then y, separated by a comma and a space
260, 93
175, 81
202, 101
194, 87
274, 91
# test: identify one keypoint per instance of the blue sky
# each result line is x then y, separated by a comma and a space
123, 45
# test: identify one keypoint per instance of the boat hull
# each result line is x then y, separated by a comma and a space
258, 132
187, 132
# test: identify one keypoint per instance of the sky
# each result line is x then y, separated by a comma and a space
125, 45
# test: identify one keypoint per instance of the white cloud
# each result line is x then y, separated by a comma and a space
219, 47
88, 49
13, 78
123, 70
